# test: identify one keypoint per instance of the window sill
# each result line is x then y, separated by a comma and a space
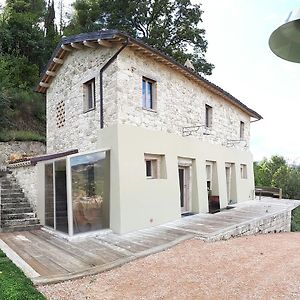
149, 109
89, 110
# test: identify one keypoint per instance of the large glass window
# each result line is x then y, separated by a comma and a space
90, 191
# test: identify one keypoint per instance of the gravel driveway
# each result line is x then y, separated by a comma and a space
254, 267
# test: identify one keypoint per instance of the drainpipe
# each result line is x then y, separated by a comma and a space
106, 65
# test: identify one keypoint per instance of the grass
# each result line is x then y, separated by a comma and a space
19, 135
295, 223
14, 285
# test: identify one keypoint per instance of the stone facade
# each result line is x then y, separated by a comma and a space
80, 129
273, 223
27, 179
180, 102
30, 148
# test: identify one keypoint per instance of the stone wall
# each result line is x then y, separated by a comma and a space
273, 223
180, 102
81, 129
27, 179
8, 148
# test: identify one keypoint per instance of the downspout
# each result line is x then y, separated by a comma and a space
107, 64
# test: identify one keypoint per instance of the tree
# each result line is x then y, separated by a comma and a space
4, 107
277, 173
24, 33
171, 26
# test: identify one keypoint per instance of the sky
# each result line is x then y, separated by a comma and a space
237, 32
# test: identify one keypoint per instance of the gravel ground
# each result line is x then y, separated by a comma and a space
254, 267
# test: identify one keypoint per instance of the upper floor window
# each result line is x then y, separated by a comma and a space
148, 93
242, 130
208, 115
89, 95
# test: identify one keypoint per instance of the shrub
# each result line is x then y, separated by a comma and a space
295, 224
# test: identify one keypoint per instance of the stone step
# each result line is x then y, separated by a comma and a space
17, 210
6, 182
14, 200
12, 195
8, 191
21, 222
18, 216
9, 205
20, 228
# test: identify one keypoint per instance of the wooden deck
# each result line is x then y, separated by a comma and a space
47, 258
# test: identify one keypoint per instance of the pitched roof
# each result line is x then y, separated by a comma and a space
109, 37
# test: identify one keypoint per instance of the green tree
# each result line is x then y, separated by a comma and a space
4, 108
277, 173
171, 26
23, 31
265, 170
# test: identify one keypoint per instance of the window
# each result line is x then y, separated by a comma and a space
155, 166
242, 130
243, 171
148, 93
208, 115
89, 95
151, 168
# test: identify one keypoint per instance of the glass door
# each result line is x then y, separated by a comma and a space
56, 215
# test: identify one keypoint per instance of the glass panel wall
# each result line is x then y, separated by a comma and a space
49, 196
90, 191
61, 211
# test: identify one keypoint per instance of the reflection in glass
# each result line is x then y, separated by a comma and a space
90, 191
49, 201
61, 211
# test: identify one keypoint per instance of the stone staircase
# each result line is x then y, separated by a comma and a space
16, 212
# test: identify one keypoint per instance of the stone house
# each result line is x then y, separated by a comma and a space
134, 139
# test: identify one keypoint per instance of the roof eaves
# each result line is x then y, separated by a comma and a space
111, 34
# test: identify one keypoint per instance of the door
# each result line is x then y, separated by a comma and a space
184, 184
228, 182
56, 215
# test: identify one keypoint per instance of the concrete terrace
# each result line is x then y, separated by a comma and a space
48, 258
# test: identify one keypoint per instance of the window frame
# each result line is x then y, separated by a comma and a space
146, 82
208, 116
242, 130
90, 84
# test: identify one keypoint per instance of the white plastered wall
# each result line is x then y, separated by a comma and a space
147, 202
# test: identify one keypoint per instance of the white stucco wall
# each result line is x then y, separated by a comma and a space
148, 202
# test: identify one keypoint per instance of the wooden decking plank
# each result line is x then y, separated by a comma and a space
123, 243
57, 255
44, 268
71, 248
100, 250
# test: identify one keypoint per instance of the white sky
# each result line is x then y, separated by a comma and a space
237, 32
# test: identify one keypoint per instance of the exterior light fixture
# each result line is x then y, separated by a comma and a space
285, 40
